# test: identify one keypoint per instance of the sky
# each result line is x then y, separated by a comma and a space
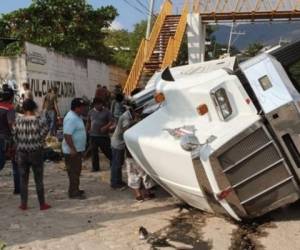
128, 16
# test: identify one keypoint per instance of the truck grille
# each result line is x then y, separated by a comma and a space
257, 172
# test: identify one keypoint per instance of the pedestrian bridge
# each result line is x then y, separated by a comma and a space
162, 47
247, 10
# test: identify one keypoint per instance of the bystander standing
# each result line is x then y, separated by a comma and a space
98, 125
29, 133
74, 145
117, 106
51, 110
7, 147
118, 147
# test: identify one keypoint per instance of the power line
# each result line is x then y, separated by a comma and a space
149, 22
142, 5
146, 8
136, 8
233, 32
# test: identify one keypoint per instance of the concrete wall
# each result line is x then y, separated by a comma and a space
44, 68
106, 75
117, 76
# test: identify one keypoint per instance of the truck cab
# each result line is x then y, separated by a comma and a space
224, 137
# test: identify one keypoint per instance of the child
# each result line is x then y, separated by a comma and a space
138, 180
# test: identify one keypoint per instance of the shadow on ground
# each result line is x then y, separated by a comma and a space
103, 207
69, 217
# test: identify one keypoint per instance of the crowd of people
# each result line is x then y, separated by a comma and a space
23, 135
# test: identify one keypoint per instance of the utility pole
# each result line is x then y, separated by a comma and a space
283, 41
150, 13
230, 38
233, 32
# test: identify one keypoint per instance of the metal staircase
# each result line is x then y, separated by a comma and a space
161, 49
168, 30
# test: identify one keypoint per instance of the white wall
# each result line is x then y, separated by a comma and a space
106, 75
44, 68
98, 73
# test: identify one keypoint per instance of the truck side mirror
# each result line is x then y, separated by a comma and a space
211, 139
189, 142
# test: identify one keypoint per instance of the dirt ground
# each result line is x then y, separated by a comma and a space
110, 219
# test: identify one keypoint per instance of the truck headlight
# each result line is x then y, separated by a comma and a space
222, 103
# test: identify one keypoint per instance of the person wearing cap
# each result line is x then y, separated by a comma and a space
73, 145
7, 120
126, 120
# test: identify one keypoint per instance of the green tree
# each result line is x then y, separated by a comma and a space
137, 35
125, 44
119, 42
183, 54
69, 26
253, 49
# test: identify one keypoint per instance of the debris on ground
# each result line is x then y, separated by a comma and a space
53, 142
143, 233
184, 232
2, 245
248, 231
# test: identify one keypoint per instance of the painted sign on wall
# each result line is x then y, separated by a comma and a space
44, 68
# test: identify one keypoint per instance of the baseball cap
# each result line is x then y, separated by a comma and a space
77, 102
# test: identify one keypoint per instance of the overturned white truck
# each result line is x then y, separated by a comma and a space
224, 137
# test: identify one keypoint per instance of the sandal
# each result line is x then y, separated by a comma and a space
139, 198
150, 196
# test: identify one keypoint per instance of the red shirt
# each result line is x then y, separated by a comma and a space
7, 117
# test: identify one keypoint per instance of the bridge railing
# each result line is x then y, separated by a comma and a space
238, 6
146, 48
174, 43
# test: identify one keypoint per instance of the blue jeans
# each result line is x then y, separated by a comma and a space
16, 174
51, 119
116, 167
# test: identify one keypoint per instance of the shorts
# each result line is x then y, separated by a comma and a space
137, 176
